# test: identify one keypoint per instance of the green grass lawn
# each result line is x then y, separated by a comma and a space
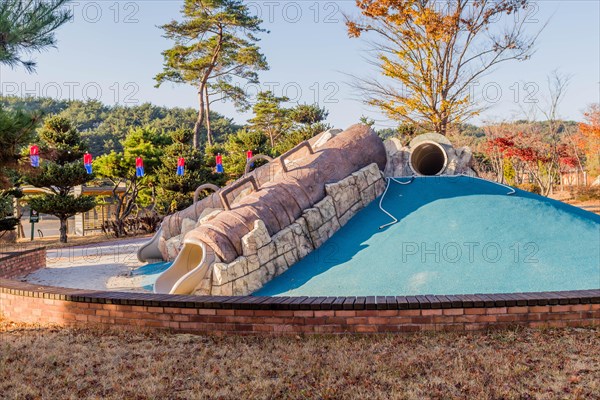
58, 363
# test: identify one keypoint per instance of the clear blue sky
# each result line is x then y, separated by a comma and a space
112, 50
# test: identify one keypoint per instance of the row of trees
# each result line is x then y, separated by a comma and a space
104, 127
214, 44
164, 191
520, 152
539, 152
512, 152
526, 153
273, 130
429, 55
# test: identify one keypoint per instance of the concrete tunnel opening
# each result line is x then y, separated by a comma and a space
428, 158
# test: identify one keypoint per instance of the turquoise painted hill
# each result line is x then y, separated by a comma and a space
455, 235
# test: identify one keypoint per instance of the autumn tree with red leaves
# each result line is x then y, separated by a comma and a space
589, 138
528, 149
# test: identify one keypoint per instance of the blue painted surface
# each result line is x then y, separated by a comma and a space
455, 235
150, 273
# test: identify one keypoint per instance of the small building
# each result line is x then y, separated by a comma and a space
575, 177
82, 224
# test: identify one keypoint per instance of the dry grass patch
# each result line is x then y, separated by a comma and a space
56, 363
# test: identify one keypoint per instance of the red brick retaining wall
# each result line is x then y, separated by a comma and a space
23, 302
22, 263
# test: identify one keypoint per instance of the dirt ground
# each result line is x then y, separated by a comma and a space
589, 205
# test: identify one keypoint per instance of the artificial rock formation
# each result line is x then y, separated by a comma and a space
265, 257
458, 160
283, 199
283, 195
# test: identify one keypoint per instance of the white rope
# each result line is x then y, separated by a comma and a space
394, 220
412, 178
387, 186
390, 179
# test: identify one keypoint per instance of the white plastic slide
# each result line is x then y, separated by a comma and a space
188, 269
149, 252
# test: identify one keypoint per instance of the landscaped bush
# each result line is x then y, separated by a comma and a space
585, 193
132, 226
530, 187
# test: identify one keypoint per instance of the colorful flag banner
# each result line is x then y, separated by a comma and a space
139, 167
219, 160
180, 166
248, 157
87, 162
34, 156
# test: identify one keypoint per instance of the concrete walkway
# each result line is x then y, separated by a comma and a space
104, 266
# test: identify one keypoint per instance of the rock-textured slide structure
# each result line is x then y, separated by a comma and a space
276, 194
239, 237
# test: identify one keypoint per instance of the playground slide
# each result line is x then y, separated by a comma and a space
188, 269
149, 251
295, 184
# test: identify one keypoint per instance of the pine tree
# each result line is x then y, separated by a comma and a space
236, 147
307, 121
119, 168
215, 43
25, 27
286, 127
61, 150
177, 192
17, 128
28, 26
270, 117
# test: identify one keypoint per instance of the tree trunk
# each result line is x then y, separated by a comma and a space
444, 125
207, 117
200, 120
63, 230
272, 138
201, 93
119, 201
